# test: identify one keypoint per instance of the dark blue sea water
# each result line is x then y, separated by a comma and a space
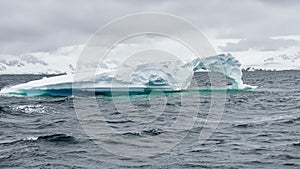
260, 128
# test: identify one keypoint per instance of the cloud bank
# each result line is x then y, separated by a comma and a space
50, 24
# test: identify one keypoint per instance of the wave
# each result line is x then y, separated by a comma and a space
138, 76
268, 120
56, 138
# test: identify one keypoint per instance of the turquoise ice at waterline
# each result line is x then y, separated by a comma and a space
140, 76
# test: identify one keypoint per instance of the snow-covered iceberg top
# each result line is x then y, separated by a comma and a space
174, 75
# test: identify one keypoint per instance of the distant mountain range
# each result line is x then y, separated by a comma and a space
61, 61
64, 60
289, 61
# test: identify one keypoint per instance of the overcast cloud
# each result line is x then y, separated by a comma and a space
34, 25
260, 44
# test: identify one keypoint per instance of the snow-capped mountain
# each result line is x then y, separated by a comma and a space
64, 60
60, 61
283, 61
288, 59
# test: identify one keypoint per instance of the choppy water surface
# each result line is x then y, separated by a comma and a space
260, 128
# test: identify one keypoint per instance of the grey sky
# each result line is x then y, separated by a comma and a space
34, 25
260, 44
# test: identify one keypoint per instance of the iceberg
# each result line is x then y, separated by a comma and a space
136, 75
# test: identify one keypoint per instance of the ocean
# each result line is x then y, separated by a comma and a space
259, 128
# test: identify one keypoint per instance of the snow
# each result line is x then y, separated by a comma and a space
63, 60
60, 61
285, 59
173, 75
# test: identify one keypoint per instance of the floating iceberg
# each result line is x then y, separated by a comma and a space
137, 75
